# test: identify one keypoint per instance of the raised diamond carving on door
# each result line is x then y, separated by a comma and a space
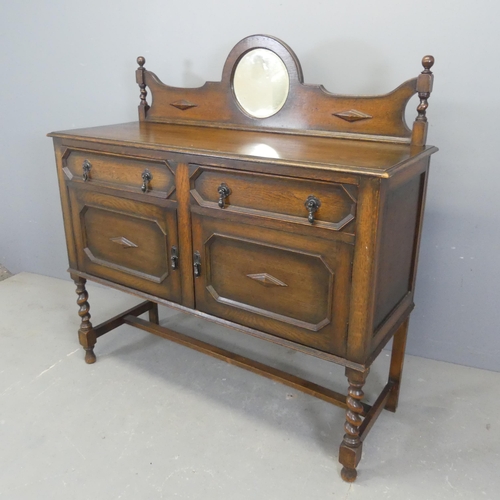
266, 279
124, 242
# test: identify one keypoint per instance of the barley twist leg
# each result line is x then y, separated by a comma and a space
351, 447
86, 333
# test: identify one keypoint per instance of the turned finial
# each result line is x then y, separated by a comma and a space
424, 87
427, 63
141, 61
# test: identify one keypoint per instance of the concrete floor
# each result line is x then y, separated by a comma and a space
154, 420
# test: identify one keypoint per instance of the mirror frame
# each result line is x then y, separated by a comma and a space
283, 51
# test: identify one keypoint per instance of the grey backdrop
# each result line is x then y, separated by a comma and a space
70, 64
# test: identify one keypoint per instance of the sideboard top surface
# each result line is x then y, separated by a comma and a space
377, 159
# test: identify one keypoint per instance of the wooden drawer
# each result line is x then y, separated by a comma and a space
120, 172
273, 281
126, 241
276, 197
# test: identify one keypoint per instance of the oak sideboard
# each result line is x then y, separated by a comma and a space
265, 205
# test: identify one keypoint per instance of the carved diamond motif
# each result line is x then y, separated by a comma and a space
352, 115
123, 242
266, 279
183, 104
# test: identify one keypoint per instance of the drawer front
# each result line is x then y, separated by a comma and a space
126, 241
275, 197
120, 172
276, 282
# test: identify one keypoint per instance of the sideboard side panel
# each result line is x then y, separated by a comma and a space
398, 253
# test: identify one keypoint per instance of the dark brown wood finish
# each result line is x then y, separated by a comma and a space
395, 262
183, 175
256, 277
351, 446
276, 197
119, 172
343, 361
130, 242
301, 229
86, 333
396, 370
376, 117
248, 364
318, 156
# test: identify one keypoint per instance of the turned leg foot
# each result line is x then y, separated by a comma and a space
351, 446
86, 333
89, 355
348, 475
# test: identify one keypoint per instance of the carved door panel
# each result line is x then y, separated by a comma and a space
126, 241
272, 281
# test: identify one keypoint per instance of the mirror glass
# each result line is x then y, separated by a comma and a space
261, 83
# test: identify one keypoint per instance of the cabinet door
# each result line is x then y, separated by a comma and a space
126, 241
276, 282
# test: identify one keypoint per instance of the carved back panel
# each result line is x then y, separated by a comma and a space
308, 109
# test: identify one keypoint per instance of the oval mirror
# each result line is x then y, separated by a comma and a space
261, 83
